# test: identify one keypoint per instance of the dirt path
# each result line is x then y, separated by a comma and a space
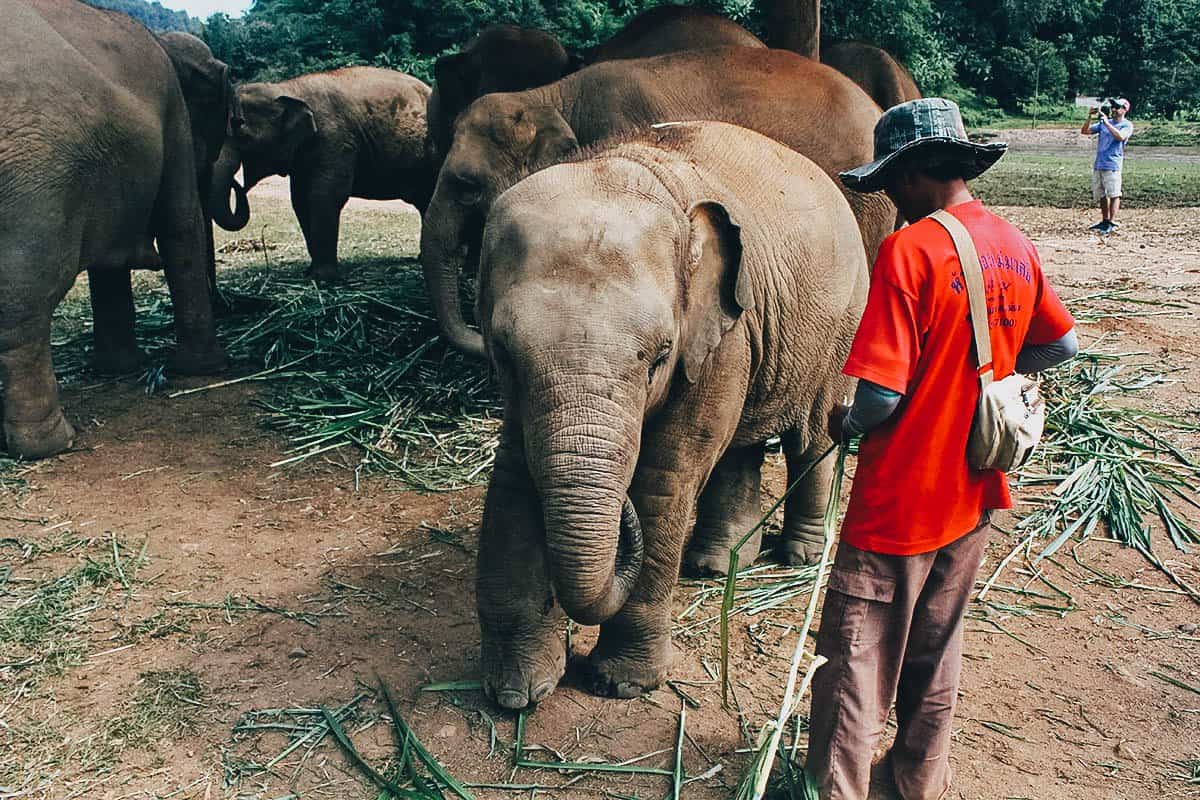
362, 578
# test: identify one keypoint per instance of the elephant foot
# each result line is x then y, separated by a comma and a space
39, 439
520, 671
802, 543
209, 361
708, 557
627, 675
323, 274
117, 360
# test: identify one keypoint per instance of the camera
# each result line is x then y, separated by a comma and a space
1106, 107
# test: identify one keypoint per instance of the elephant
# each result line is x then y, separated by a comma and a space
874, 69
351, 132
97, 163
504, 58
212, 108
654, 309
791, 99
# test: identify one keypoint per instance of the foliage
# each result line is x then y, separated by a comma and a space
152, 15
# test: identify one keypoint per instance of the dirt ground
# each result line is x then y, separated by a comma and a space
295, 588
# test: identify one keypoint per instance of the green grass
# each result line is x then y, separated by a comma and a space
1023, 179
45, 604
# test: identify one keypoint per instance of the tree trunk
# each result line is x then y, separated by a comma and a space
795, 25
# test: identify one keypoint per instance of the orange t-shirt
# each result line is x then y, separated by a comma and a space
914, 491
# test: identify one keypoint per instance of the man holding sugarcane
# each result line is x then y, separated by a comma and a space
918, 518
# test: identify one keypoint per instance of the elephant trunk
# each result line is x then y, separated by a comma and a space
223, 181
595, 554
593, 533
446, 246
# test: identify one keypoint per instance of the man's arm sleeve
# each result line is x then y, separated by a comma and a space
1095, 128
1037, 357
872, 405
888, 341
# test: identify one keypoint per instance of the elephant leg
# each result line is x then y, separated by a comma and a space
804, 510
318, 202
179, 225
34, 425
729, 506
679, 452
115, 349
522, 650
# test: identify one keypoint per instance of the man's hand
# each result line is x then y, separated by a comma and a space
1093, 112
837, 417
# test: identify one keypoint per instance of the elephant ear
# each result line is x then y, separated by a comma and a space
543, 135
230, 100
457, 78
297, 125
718, 289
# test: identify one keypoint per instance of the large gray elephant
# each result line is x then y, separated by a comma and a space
97, 163
792, 99
654, 311
505, 58
352, 132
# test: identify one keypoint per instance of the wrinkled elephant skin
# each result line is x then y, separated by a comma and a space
654, 313
97, 165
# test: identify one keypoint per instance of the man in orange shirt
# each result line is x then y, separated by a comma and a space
918, 518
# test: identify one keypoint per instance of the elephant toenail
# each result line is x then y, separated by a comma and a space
542, 690
510, 698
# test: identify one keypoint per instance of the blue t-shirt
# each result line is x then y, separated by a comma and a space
1110, 151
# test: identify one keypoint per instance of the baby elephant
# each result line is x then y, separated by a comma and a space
654, 310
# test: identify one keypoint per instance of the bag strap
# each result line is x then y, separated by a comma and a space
976, 296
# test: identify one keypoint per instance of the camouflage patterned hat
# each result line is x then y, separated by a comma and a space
932, 128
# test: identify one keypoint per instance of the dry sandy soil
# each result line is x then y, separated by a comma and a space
377, 580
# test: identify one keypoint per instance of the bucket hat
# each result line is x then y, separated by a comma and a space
931, 129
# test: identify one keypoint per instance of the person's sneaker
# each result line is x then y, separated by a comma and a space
1099, 226
1107, 228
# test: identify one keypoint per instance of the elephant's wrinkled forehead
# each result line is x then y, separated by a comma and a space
559, 224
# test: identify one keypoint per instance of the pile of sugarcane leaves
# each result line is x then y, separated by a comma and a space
355, 371
1113, 467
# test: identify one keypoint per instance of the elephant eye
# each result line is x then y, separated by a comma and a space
468, 188
663, 355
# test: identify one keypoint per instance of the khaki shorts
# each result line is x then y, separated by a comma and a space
1106, 183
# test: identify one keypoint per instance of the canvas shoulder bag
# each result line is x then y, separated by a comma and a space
1011, 414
